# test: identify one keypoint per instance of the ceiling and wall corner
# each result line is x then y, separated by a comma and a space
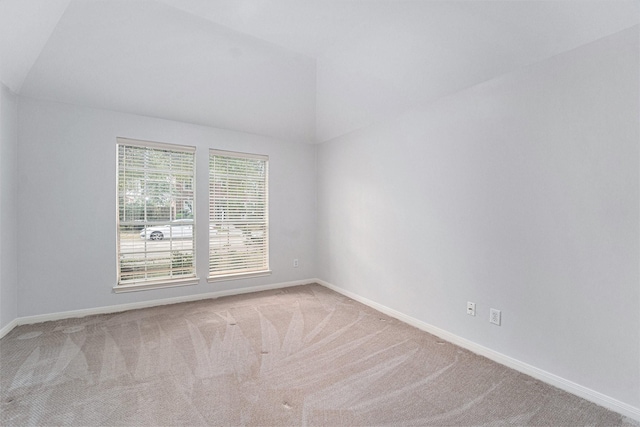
423, 51
25, 28
301, 71
8, 206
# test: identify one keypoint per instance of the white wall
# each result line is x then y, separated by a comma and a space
67, 199
522, 194
8, 210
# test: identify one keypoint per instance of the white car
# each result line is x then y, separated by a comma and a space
220, 235
177, 229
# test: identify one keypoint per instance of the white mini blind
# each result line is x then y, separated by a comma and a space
238, 214
156, 204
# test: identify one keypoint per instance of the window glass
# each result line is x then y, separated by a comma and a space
238, 214
156, 225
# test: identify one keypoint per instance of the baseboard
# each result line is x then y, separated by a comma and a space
547, 377
27, 320
8, 327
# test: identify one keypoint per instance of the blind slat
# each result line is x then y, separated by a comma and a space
238, 213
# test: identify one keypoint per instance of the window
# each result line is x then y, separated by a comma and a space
156, 226
238, 215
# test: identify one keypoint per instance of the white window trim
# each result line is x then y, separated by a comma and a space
141, 286
165, 282
154, 144
238, 276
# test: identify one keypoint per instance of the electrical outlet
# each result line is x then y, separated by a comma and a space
471, 308
295, 263
494, 316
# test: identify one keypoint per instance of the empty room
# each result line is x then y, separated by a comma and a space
319, 212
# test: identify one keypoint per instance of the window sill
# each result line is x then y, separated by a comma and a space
237, 276
143, 286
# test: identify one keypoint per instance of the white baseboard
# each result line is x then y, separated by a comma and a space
27, 320
547, 377
8, 327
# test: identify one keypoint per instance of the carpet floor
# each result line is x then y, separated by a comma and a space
297, 356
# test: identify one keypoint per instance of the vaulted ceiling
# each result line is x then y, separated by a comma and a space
300, 70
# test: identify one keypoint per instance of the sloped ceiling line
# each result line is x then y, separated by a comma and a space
25, 29
303, 71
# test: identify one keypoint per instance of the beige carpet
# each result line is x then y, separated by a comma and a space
298, 356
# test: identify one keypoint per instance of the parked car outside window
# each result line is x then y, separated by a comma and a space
177, 229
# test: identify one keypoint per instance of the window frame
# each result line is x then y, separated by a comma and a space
264, 270
162, 282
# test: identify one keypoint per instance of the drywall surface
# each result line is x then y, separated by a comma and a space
67, 204
8, 208
520, 194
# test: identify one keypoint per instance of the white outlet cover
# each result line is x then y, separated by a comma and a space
495, 316
471, 308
